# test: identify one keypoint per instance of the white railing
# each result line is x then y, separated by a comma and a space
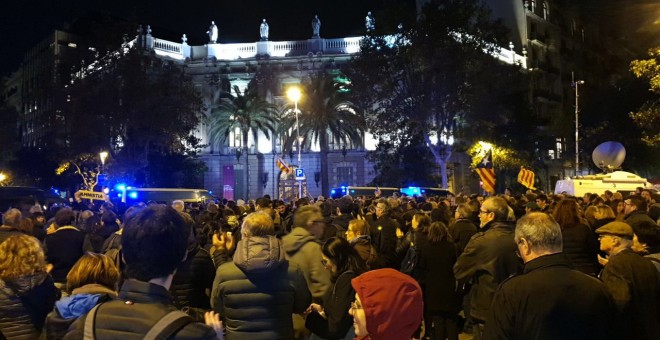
342, 45
160, 44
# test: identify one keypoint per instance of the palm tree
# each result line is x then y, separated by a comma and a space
324, 115
246, 111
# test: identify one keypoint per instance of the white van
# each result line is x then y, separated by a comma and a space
621, 181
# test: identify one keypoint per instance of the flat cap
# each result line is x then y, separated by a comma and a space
616, 228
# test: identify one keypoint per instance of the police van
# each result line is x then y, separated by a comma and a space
132, 195
621, 181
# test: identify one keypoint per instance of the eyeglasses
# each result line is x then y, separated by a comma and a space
483, 211
355, 306
324, 262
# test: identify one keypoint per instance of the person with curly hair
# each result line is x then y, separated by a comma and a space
27, 292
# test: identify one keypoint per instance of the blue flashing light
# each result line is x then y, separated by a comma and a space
343, 187
333, 191
119, 195
423, 191
210, 192
352, 191
133, 194
120, 187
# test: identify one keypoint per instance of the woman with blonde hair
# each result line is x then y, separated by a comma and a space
603, 215
92, 280
27, 292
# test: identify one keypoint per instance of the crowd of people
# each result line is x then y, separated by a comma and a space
502, 267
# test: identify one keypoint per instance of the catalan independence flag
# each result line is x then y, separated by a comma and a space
486, 172
282, 165
526, 178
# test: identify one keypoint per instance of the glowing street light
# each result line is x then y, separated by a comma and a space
3, 177
294, 95
103, 155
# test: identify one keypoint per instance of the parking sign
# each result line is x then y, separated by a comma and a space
300, 174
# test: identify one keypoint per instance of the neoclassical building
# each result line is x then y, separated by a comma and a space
216, 67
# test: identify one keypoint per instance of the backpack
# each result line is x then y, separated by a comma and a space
409, 261
163, 329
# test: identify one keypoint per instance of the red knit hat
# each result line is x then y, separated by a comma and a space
392, 303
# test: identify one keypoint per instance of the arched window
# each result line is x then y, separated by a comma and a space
532, 5
546, 11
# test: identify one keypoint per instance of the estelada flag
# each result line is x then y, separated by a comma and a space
486, 172
526, 178
282, 165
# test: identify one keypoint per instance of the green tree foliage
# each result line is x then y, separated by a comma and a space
133, 105
248, 112
647, 117
438, 79
325, 115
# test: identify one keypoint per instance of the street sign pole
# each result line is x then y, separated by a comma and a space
300, 176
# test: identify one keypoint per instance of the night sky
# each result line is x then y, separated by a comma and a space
24, 23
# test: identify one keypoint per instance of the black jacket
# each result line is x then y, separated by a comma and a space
637, 217
488, 259
336, 306
24, 304
383, 237
581, 246
461, 232
192, 278
436, 264
63, 249
551, 301
633, 282
139, 307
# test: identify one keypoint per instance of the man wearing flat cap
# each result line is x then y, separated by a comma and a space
633, 282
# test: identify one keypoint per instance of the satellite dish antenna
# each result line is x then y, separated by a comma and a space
609, 156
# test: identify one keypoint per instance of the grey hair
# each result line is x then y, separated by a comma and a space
178, 205
541, 231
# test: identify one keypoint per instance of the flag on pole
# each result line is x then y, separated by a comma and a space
282, 165
526, 178
486, 172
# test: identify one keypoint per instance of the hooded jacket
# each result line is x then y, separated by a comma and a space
256, 294
69, 308
392, 303
24, 304
303, 250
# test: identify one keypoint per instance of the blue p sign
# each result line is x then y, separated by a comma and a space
300, 173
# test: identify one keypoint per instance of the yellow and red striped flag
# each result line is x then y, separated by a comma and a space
486, 172
282, 165
526, 178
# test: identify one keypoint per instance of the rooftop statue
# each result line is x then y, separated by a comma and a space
213, 33
316, 27
263, 30
370, 22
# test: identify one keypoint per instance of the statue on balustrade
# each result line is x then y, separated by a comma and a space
213, 33
370, 22
263, 30
316, 27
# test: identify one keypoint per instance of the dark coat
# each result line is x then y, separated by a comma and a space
149, 302
581, 246
366, 251
633, 282
192, 278
383, 237
336, 306
488, 259
551, 301
461, 232
416, 239
257, 293
24, 304
636, 217
63, 249
436, 263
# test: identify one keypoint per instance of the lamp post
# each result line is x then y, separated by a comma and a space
294, 95
577, 124
103, 155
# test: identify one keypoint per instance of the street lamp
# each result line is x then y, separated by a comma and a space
103, 155
294, 95
3, 177
577, 124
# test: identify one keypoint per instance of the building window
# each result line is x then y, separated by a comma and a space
560, 146
532, 6
546, 11
551, 154
345, 175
